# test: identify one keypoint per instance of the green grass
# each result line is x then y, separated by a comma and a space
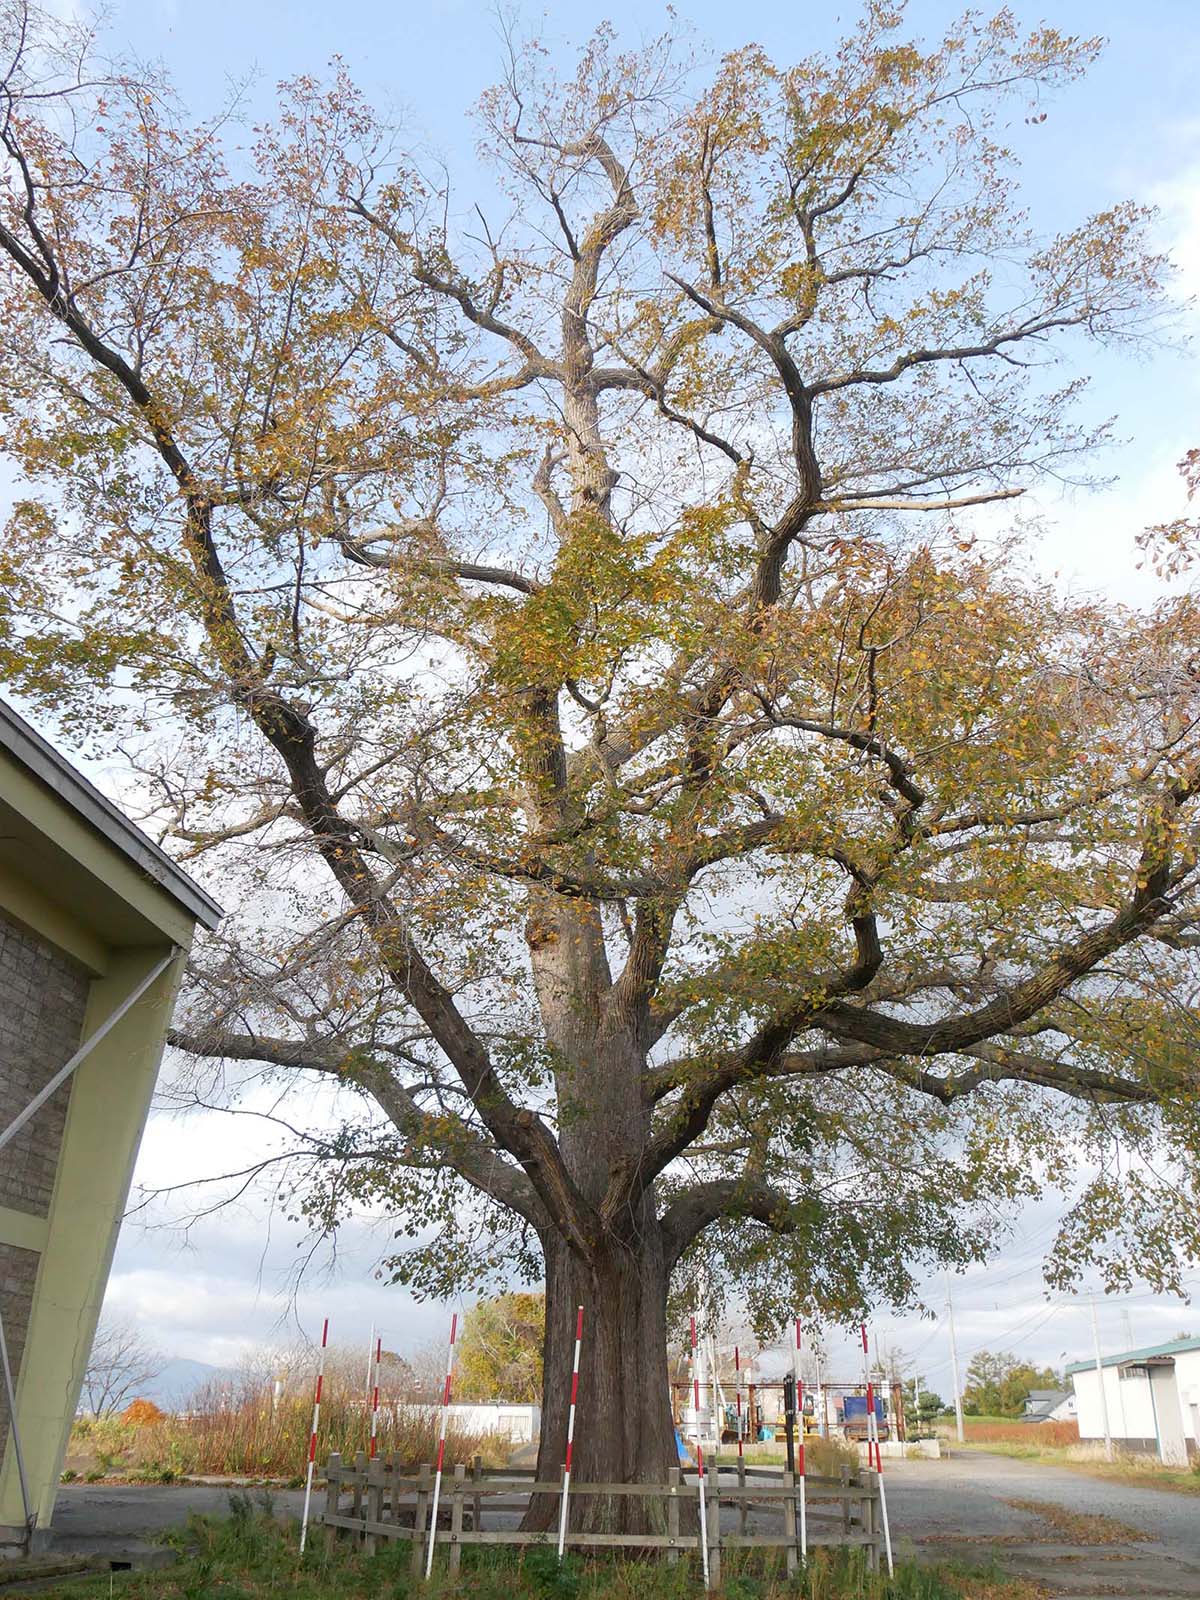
1129, 1467
1007, 1447
250, 1556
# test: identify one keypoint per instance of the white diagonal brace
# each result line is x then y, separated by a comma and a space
85, 1049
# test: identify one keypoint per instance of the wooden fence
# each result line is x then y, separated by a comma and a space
383, 1499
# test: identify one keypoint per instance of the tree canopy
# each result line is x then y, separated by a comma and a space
501, 1352
998, 1384
560, 627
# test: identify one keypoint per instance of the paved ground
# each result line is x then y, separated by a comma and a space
109, 1517
939, 1509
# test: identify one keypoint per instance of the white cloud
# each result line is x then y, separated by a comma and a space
1090, 539
230, 1283
1178, 200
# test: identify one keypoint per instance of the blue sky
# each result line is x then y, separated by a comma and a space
1131, 129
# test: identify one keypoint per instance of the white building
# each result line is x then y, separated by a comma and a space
520, 1424
1153, 1399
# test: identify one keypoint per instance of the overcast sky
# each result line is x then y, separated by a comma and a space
1132, 129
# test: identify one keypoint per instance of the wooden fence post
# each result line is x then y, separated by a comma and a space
375, 1482
845, 1477
421, 1517
714, 1527
673, 1478
477, 1474
360, 1483
870, 1520
789, 1522
390, 1511
333, 1483
742, 1511
456, 1517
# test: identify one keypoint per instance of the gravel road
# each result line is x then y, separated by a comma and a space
957, 1508
106, 1516
966, 1495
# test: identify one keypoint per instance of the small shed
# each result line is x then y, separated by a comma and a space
95, 926
1151, 1397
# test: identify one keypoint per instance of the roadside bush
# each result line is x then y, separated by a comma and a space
139, 1412
825, 1458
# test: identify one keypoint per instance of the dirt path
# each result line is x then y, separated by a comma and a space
958, 1508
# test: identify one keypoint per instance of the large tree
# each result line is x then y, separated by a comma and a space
556, 626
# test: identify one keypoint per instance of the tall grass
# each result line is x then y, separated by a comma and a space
247, 1429
1037, 1435
259, 1438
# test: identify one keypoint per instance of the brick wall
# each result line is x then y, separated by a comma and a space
18, 1271
42, 999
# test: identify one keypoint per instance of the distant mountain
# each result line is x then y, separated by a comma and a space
178, 1381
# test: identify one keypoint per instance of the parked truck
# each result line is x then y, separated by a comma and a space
853, 1419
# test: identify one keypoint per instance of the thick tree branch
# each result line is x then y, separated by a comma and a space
1032, 328
439, 1137
1002, 1064
687, 1121
695, 1208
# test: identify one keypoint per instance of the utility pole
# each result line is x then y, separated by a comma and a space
1108, 1444
958, 1416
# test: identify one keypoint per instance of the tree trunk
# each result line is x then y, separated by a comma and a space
624, 1431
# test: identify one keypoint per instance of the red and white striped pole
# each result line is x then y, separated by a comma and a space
872, 1421
873, 1437
375, 1394
737, 1368
699, 1458
441, 1455
562, 1516
799, 1382
312, 1438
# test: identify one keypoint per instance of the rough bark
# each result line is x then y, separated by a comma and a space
624, 1432
624, 1428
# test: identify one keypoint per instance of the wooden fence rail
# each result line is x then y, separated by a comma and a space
383, 1499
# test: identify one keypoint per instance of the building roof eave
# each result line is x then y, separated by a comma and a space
1174, 1347
26, 746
